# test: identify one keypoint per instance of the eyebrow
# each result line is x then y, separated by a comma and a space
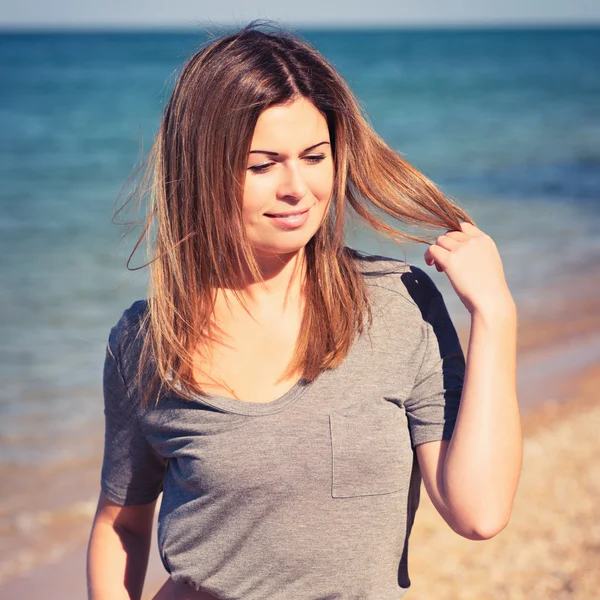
277, 153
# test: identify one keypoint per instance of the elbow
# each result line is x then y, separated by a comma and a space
478, 518
482, 530
486, 531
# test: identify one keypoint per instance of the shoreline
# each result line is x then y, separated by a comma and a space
548, 404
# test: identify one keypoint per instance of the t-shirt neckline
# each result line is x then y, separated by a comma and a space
243, 407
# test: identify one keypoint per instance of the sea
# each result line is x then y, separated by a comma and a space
505, 122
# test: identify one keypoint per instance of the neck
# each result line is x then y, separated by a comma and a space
283, 276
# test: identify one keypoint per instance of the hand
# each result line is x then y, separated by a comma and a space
472, 263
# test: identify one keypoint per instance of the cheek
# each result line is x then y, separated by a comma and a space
322, 186
254, 196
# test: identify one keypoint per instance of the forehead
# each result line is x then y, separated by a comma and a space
290, 127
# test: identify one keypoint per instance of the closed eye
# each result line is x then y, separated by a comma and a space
312, 159
315, 158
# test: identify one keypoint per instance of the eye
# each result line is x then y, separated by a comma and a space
260, 168
311, 159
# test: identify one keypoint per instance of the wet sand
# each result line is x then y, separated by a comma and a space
551, 548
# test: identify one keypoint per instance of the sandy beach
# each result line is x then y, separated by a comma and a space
551, 548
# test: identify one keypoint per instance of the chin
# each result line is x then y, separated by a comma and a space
277, 247
279, 250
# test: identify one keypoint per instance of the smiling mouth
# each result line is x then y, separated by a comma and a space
288, 214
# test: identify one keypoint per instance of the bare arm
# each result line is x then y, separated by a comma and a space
118, 550
472, 479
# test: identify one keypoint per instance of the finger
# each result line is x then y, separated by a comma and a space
458, 235
470, 229
438, 256
449, 243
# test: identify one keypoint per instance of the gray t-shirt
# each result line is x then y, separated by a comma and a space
310, 496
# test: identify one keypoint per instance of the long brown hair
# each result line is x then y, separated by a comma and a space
194, 176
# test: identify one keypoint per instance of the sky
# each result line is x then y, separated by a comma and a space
191, 13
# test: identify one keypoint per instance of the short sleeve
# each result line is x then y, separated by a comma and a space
132, 471
432, 406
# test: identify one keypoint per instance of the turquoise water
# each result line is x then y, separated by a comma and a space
506, 122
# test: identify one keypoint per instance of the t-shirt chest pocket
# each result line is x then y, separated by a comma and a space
371, 451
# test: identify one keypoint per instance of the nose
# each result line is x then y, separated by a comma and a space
292, 184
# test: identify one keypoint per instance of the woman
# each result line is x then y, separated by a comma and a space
284, 392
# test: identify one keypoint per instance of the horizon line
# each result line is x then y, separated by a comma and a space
108, 27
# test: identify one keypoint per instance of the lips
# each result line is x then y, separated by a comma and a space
291, 220
287, 214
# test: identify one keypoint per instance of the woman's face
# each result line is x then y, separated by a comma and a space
289, 178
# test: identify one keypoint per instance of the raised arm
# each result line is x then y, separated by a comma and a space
472, 478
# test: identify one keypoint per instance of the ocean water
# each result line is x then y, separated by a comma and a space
505, 122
